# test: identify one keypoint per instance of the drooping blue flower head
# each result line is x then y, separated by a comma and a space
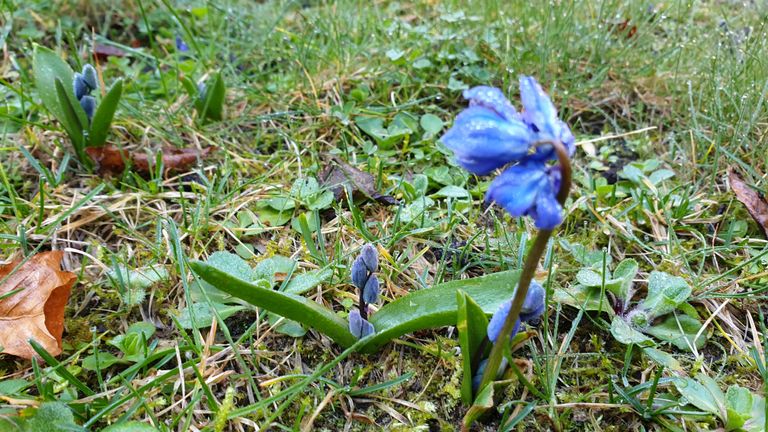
533, 307
358, 326
489, 134
540, 114
529, 189
359, 273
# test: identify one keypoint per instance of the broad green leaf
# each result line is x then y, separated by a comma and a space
665, 293
436, 306
582, 297
623, 277
472, 324
130, 427
756, 422
190, 87
625, 334
303, 282
452, 192
586, 257
10, 387
700, 396
738, 405
669, 331
287, 305
104, 114
103, 360
52, 417
201, 315
422, 309
431, 124
48, 67
663, 359
286, 326
72, 121
589, 278
212, 107
480, 405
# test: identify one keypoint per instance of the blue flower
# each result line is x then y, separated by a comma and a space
529, 188
181, 46
533, 307
489, 134
540, 114
358, 326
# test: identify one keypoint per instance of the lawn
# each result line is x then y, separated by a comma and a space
210, 254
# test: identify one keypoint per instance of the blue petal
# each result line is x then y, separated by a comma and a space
498, 319
371, 290
370, 257
533, 306
359, 327
482, 140
79, 87
89, 76
538, 110
517, 187
541, 115
359, 273
547, 213
491, 98
89, 106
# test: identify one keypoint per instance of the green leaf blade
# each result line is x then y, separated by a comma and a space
290, 306
104, 114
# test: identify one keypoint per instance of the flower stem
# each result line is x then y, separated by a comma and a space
529, 270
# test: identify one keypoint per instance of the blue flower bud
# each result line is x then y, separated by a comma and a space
79, 87
89, 106
359, 273
181, 46
533, 305
529, 188
371, 290
89, 76
358, 326
498, 319
370, 257
478, 378
201, 89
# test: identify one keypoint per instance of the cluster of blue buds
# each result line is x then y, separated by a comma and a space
533, 307
83, 83
491, 134
364, 278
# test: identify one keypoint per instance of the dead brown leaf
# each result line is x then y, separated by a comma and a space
339, 176
36, 311
752, 200
111, 159
103, 52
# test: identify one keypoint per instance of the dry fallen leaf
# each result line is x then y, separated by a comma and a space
751, 199
36, 311
339, 174
111, 159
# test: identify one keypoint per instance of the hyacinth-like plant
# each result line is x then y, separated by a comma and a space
364, 278
492, 134
68, 95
